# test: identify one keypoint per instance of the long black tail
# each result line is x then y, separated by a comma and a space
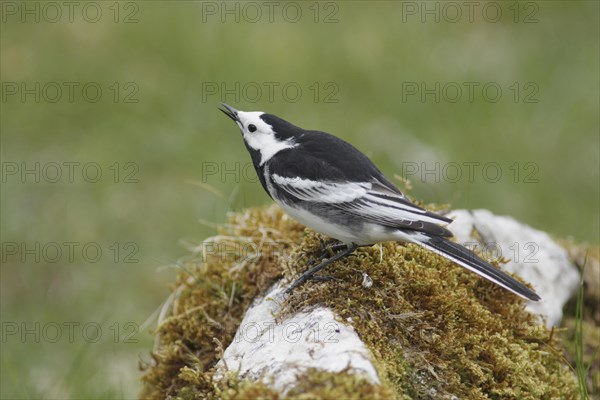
466, 258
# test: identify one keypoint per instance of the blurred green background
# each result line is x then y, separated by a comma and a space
74, 325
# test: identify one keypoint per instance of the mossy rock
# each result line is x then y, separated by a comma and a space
435, 330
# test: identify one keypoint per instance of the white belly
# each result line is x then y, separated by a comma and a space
319, 225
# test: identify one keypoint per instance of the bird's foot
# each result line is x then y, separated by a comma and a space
342, 251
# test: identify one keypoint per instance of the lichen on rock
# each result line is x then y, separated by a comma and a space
433, 329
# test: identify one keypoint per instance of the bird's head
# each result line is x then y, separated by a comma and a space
263, 133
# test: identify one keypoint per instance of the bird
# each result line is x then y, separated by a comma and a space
328, 185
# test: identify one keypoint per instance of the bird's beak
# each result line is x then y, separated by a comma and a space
230, 112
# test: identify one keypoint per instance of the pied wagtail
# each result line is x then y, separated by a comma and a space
328, 185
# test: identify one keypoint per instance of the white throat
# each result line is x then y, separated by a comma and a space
267, 145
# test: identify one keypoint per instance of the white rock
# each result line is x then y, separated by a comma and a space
534, 256
277, 352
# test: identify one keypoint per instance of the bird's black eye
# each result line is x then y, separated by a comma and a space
252, 128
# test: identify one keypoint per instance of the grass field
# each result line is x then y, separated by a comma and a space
110, 130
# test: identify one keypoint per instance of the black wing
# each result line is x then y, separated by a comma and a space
327, 170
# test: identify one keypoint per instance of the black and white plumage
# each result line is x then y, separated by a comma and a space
328, 185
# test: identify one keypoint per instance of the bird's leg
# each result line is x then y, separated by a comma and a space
333, 249
309, 274
327, 251
321, 278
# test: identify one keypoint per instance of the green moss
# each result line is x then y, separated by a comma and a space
334, 386
435, 330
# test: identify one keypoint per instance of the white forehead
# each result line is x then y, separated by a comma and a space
253, 117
